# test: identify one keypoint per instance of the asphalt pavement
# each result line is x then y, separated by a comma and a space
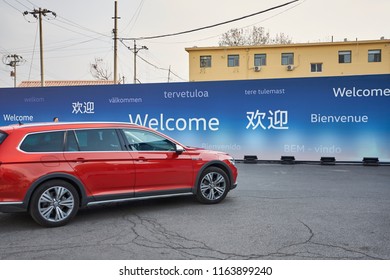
277, 212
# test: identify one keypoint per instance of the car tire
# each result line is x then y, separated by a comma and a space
213, 186
54, 203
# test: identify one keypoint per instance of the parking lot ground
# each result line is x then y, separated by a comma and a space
277, 212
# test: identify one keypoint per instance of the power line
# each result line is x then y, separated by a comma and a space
92, 38
70, 23
76, 25
20, 11
160, 68
134, 17
216, 36
33, 53
34, 5
22, 4
213, 25
153, 65
3, 50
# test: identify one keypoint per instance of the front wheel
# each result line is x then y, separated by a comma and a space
213, 186
54, 203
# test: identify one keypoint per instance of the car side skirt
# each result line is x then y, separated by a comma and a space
12, 207
139, 196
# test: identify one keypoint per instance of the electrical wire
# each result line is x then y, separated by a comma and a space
76, 55
71, 24
134, 17
153, 65
34, 5
160, 68
20, 11
74, 24
216, 36
4, 51
32, 57
211, 26
66, 21
91, 38
22, 4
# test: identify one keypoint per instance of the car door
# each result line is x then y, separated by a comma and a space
97, 157
159, 168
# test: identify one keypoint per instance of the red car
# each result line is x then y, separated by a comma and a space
53, 169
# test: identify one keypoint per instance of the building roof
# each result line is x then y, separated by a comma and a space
65, 83
383, 41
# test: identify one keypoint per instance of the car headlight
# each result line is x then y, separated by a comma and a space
232, 161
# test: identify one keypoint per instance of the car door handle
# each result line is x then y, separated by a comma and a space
141, 159
81, 160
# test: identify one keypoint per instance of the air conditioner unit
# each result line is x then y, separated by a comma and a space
257, 68
290, 67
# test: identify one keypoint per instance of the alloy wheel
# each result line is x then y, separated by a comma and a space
56, 204
213, 186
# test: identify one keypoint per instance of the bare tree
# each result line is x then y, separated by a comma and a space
233, 37
252, 37
100, 70
281, 38
258, 36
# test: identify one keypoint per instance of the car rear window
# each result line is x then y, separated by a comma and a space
44, 142
3, 135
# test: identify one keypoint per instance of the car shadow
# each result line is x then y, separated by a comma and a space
11, 222
101, 213
136, 206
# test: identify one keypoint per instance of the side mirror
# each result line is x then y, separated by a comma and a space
179, 149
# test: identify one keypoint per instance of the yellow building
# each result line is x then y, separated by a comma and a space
289, 61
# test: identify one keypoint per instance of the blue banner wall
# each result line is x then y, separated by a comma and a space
343, 117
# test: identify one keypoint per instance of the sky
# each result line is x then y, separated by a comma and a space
81, 32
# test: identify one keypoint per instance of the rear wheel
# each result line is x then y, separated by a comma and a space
213, 186
54, 203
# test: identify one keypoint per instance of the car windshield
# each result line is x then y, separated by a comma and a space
3, 135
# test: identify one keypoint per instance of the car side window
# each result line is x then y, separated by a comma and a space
3, 135
98, 140
142, 140
43, 142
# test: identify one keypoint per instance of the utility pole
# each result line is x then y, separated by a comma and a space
37, 14
13, 60
135, 50
115, 31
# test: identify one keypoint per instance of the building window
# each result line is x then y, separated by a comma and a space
374, 56
260, 59
316, 67
205, 61
287, 58
233, 60
344, 56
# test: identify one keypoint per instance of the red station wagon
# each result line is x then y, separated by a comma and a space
53, 169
